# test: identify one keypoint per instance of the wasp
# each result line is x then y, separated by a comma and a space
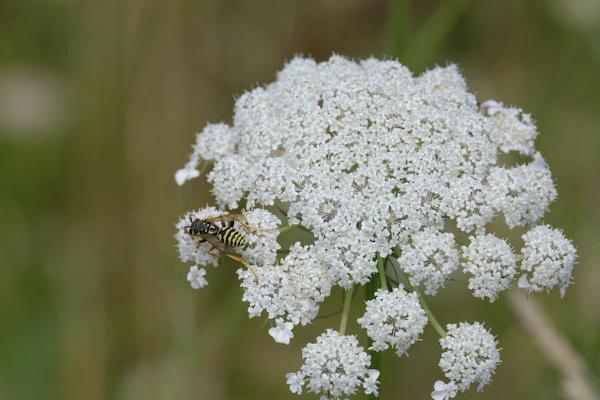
223, 237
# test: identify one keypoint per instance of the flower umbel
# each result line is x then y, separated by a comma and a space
548, 259
335, 366
470, 355
491, 262
374, 164
393, 319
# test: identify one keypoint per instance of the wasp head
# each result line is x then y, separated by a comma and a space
200, 226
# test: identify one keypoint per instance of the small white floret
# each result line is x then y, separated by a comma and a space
470, 355
522, 193
491, 263
429, 259
186, 174
393, 319
548, 260
512, 129
444, 391
196, 277
282, 332
295, 382
334, 367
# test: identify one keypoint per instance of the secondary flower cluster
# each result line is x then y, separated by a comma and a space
375, 162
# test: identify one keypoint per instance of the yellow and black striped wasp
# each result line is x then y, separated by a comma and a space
224, 238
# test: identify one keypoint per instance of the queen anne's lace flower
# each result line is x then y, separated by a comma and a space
374, 161
491, 263
548, 259
393, 319
429, 259
470, 355
335, 366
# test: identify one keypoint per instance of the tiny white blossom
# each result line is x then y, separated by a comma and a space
491, 263
282, 332
393, 319
371, 383
548, 259
444, 391
196, 277
335, 366
185, 174
295, 381
470, 355
429, 259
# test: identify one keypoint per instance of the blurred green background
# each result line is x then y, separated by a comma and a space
99, 104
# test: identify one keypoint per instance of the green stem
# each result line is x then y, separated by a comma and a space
400, 26
427, 41
204, 168
346, 310
295, 226
381, 262
376, 356
377, 363
287, 228
432, 319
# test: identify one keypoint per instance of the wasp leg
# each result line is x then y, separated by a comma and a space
228, 252
244, 263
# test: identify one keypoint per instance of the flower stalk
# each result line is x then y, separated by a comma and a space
346, 310
432, 319
381, 263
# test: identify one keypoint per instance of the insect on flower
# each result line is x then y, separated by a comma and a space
224, 238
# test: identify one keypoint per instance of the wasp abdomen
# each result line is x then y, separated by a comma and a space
231, 237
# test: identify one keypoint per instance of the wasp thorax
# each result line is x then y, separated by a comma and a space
201, 226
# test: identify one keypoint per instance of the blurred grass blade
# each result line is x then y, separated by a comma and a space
421, 50
400, 26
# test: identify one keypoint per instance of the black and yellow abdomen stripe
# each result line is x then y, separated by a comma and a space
231, 237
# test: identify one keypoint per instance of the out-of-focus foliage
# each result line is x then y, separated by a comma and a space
99, 102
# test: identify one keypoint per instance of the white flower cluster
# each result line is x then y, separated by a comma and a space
522, 193
548, 259
471, 355
376, 162
512, 129
393, 319
492, 263
262, 246
429, 259
289, 291
334, 366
